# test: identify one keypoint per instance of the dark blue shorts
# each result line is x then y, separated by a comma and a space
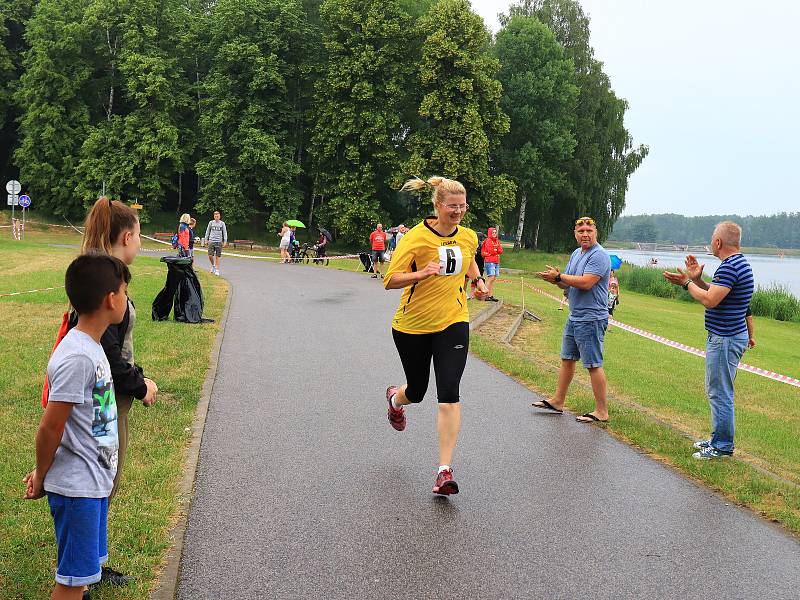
80, 525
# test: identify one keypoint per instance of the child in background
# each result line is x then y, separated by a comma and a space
192, 225
613, 293
77, 443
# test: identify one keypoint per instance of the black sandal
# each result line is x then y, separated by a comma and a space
544, 404
588, 418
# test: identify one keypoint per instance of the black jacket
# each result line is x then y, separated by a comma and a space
128, 379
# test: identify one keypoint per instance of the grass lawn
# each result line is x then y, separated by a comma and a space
175, 355
656, 394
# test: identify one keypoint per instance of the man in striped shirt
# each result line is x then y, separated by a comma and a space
727, 299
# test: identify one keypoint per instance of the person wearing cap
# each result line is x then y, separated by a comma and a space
586, 280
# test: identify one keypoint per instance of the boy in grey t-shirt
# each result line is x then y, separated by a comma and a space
76, 445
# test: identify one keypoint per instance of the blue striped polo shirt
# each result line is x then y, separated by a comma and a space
727, 318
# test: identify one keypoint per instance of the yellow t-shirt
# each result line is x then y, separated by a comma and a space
437, 302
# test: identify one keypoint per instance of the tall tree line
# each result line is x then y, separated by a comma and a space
779, 230
315, 109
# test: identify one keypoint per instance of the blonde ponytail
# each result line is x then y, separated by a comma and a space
441, 188
104, 224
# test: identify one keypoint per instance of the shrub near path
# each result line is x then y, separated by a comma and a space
175, 355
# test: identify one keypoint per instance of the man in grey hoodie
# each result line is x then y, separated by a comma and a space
216, 238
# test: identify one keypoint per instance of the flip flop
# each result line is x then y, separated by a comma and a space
588, 418
544, 404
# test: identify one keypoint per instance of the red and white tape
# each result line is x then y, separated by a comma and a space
677, 345
58, 287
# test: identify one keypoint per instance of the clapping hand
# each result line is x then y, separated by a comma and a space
694, 269
677, 278
550, 274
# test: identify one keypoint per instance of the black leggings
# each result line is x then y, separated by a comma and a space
448, 349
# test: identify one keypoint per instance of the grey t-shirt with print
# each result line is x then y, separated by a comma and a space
86, 460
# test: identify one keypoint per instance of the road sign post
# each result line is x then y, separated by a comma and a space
24, 202
13, 187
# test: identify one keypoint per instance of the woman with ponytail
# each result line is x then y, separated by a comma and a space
113, 227
432, 267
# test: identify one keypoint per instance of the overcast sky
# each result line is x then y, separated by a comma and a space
714, 90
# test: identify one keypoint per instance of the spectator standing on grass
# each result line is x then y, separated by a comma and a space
491, 249
113, 228
727, 301
401, 231
586, 279
613, 293
216, 238
77, 443
377, 240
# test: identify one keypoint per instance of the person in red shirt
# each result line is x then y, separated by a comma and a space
491, 251
378, 241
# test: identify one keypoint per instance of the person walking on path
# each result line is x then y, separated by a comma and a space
216, 238
491, 251
586, 279
286, 240
184, 234
727, 300
432, 320
377, 240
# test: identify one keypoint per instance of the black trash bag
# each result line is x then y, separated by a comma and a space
182, 290
366, 260
189, 298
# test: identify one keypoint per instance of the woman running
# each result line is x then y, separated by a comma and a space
432, 321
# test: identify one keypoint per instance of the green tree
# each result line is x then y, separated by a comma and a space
645, 231
56, 116
13, 16
539, 96
460, 119
604, 157
360, 100
247, 161
137, 149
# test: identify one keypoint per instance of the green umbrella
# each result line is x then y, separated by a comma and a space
295, 223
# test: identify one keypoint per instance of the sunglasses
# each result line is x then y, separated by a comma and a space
584, 221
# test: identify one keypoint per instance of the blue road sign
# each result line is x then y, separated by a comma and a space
25, 201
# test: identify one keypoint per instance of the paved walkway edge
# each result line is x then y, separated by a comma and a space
168, 580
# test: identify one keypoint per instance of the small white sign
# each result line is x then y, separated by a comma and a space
13, 200
13, 187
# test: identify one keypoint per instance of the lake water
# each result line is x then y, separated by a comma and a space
767, 270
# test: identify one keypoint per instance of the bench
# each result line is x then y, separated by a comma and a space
244, 243
163, 236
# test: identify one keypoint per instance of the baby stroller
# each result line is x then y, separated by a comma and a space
294, 251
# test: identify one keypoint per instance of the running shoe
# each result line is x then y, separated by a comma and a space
211, 269
109, 575
702, 444
397, 416
445, 484
216, 272
710, 454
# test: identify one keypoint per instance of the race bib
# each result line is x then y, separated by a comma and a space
450, 260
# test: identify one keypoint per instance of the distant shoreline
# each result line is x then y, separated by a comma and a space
611, 245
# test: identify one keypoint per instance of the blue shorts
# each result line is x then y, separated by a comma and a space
492, 269
80, 525
584, 340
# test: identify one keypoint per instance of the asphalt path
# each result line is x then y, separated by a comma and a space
304, 490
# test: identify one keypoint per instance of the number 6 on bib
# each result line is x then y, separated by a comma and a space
450, 260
